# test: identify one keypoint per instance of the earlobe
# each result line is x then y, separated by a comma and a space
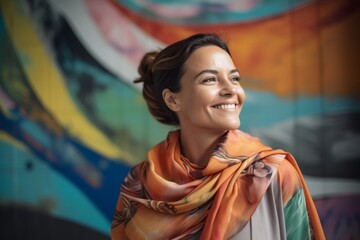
170, 100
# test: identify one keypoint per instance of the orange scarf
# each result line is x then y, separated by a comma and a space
167, 197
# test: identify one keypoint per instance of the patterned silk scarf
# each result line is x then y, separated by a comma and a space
168, 197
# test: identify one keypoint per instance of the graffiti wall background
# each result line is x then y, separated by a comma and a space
72, 123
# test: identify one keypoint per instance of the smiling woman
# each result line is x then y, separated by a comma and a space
209, 102
208, 180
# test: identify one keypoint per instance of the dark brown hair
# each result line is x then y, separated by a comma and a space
163, 69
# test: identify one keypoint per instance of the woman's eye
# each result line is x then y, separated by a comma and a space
209, 80
236, 79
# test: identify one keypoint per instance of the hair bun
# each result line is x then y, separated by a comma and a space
150, 93
145, 68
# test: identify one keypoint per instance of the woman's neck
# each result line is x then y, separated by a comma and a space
197, 146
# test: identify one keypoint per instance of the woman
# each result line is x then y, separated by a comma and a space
208, 180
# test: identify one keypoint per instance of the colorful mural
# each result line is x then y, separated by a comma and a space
72, 123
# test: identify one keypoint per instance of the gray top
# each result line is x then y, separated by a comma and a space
268, 220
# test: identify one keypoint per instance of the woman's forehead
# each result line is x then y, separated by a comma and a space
208, 57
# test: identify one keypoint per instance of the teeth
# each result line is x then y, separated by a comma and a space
226, 106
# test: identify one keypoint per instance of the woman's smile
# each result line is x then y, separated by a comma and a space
228, 106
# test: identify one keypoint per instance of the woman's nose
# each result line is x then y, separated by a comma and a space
228, 88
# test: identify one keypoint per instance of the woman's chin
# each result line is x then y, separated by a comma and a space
232, 125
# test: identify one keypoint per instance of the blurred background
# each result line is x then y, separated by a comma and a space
72, 123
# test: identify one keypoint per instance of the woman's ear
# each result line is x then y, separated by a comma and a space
170, 100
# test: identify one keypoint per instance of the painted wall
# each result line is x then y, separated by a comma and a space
72, 123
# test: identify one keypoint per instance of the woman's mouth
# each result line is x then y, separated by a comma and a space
231, 106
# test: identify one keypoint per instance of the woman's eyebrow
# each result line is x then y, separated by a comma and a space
206, 71
214, 71
235, 71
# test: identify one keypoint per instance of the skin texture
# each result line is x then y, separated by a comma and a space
209, 81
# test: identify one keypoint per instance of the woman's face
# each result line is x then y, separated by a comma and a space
211, 96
